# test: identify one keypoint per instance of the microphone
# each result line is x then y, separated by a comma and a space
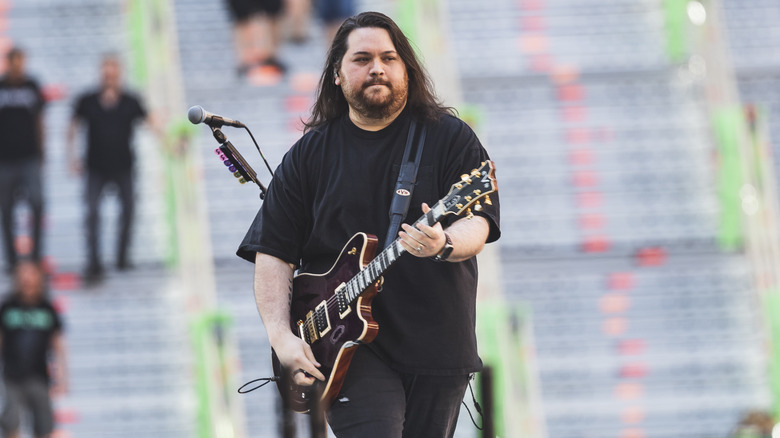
197, 114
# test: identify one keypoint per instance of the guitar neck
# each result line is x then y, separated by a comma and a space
371, 273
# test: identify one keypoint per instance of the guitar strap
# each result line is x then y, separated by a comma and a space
407, 177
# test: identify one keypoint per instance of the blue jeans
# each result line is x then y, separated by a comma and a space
21, 179
379, 402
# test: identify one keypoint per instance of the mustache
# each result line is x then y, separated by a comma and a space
376, 82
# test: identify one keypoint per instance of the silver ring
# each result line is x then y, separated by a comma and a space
419, 249
299, 370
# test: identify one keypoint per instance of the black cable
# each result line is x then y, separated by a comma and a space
477, 407
259, 151
267, 381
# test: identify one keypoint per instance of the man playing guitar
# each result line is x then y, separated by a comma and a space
339, 179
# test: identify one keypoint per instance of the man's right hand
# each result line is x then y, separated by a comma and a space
296, 355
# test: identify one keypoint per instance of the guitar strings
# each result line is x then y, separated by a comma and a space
332, 302
428, 218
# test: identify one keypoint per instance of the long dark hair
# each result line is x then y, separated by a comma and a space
331, 103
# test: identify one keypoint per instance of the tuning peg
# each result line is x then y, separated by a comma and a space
476, 173
478, 206
465, 178
237, 174
232, 168
488, 201
469, 214
227, 163
217, 151
241, 180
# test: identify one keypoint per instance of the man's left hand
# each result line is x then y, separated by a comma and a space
423, 241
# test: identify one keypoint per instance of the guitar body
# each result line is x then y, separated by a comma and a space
335, 346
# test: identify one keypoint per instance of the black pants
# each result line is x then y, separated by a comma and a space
16, 180
379, 402
96, 181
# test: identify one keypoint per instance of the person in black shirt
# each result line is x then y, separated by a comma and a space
257, 33
110, 114
30, 332
21, 152
338, 179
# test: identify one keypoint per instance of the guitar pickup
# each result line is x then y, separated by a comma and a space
341, 301
321, 318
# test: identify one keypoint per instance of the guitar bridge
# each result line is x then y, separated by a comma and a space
316, 324
311, 329
302, 333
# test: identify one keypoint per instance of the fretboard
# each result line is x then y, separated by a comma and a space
371, 273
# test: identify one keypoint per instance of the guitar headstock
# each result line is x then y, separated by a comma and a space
471, 190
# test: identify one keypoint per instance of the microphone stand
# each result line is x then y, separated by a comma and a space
232, 154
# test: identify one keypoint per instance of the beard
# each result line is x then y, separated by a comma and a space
376, 99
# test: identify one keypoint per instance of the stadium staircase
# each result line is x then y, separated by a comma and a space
643, 326
130, 367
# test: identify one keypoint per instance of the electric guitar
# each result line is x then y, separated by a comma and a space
332, 311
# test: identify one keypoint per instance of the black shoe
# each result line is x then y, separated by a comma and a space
275, 64
124, 265
93, 275
299, 40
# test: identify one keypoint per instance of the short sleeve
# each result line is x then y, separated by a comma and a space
57, 326
139, 110
282, 225
80, 108
40, 98
3, 309
467, 154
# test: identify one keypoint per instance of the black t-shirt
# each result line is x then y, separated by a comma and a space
27, 333
20, 106
109, 130
339, 180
